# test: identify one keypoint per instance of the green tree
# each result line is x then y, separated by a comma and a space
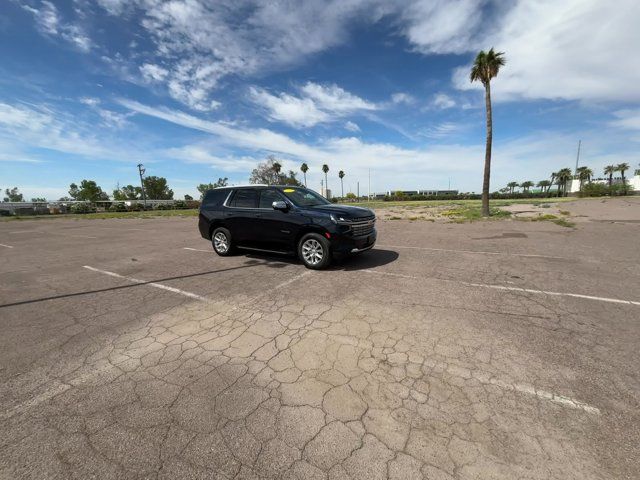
203, 187
562, 177
88, 191
512, 186
277, 167
584, 174
157, 188
341, 175
351, 196
266, 173
325, 169
187, 197
304, 168
128, 192
610, 170
39, 199
13, 195
622, 167
485, 67
526, 186
544, 185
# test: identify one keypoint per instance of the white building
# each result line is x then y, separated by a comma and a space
573, 186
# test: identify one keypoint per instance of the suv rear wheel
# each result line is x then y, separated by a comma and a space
314, 251
221, 241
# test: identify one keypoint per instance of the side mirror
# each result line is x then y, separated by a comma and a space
280, 205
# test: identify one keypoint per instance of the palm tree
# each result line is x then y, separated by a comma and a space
584, 173
341, 175
562, 176
545, 185
526, 186
511, 186
304, 168
325, 169
622, 167
486, 66
610, 170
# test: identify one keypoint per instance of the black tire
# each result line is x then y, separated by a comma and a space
218, 243
309, 246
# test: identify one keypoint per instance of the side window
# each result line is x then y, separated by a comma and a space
267, 197
214, 198
245, 198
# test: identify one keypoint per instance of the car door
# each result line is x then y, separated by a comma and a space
277, 228
240, 216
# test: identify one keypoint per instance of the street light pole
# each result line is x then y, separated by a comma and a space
141, 170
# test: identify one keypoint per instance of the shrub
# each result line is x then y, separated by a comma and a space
118, 207
82, 208
594, 190
179, 204
135, 207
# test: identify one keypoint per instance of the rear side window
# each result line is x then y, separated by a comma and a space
213, 198
245, 198
267, 197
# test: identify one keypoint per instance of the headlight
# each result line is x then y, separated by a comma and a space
338, 220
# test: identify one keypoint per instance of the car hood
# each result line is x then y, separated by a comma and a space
345, 211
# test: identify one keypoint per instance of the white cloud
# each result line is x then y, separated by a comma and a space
334, 99
49, 22
574, 49
443, 101
109, 117
351, 126
153, 73
627, 119
442, 130
298, 112
402, 98
317, 104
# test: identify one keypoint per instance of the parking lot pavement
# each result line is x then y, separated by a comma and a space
485, 350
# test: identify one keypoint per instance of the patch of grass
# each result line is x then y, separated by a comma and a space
542, 218
565, 212
395, 218
563, 222
104, 215
470, 213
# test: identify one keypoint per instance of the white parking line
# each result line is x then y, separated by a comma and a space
489, 379
151, 284
513, 289
197, 249
477, 252
6, 246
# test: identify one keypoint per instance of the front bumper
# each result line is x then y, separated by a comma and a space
344, 244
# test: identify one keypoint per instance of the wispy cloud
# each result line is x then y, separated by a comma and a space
50, 23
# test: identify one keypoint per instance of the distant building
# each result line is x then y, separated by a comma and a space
430, 193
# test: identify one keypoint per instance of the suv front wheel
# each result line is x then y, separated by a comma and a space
314, 251
221, 241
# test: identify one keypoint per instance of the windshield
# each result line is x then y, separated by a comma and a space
304, 198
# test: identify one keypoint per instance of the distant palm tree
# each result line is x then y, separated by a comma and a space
584, 173
485, 67
610, 170
512, 186
562, 176
545, 185
622, 167
325, 169
341, 175
526, 185
304, 168
277, 167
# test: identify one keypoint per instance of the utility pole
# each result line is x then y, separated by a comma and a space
369, 193
358, 188
578, 156
141, 171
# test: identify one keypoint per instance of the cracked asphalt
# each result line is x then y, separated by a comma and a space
448, 352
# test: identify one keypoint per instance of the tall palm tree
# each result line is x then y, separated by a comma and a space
526, 186
325, 169
562, 176
622, 167
610, 170
545, 185
584, 173
341, 175
485, 67
304, 168
511, 186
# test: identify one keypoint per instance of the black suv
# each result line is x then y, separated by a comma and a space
283, 219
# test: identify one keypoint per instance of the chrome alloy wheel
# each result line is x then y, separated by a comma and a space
221, 242
312, 251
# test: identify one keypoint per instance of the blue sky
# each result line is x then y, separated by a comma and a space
198, 90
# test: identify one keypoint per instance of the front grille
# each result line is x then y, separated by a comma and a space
362, 226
